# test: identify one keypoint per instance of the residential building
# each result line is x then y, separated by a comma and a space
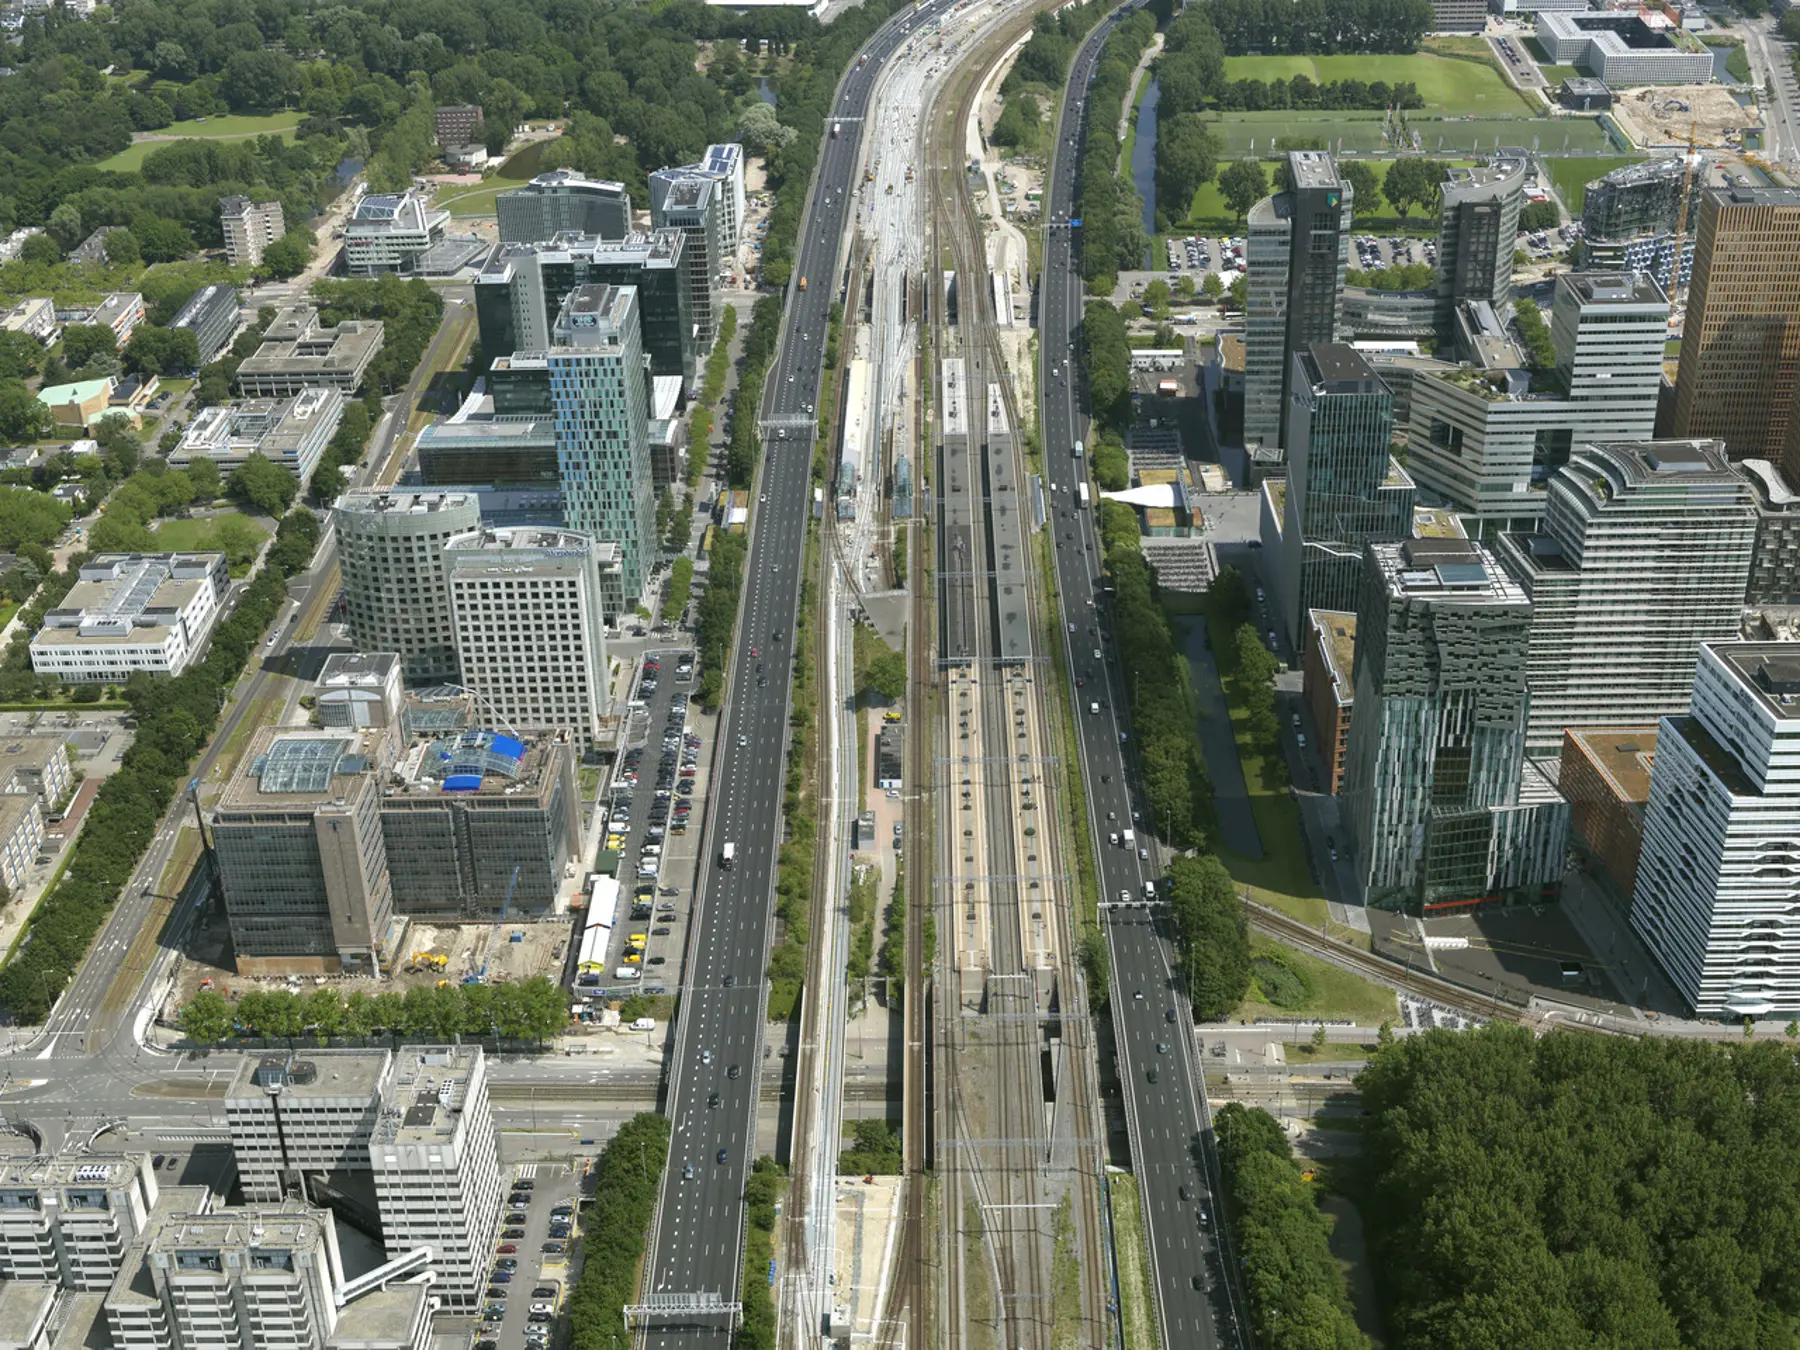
1488, 440
1344, 489
1630, 217
299, 353
392, 232
1478, 227
261, 1278
437, 1168
522, 289
291, 432
1775, 564
294, 1116
80, 404
396, 588
21, 835
1714, 900
563, 201
66, 1219
250, 227
724, 164
529, 632
1740, 345
360, 689
212, 314
1605, 776
1642, 554
693, 204
1621, 49
1443, 809
1328, 686
597, 389
131, 398
37, 766
1298, 250
121, 311
478, 822
297, 842
34, 317
132, 611
456, 123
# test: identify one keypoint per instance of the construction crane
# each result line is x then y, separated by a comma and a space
1677, 283
477, 976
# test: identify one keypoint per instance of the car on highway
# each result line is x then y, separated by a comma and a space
724, 1154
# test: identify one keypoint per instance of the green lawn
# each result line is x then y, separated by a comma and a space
1555, 74
210, 129
202, 535
1208, 204
1572, 176
1449, 87
1336, 993
478, 199
1345, 132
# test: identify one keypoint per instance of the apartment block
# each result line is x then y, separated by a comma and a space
1444, 810
396, 593
298, 352
291, 432
121, 312
1605, 777
1478, 227
21, 835
1329, 687
559, 201
132, 611
456, 123
212, 313
35, 317
300, 1114
37, 766
1643, 554
250, 227
297, 840
1488, 441
67, 1219
1714, 900
529, 631
1740, 345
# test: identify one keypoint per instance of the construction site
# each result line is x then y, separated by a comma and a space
1663, 117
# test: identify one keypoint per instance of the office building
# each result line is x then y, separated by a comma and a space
1488, 440
456, 123
596, 370
693, 204
392, 233
121, 312
529, 632
1740, 344
1458, 16
1643, 553
563, 201
292, 432
212, 314
522, 289
1328, 686
37, 766
1443, 809
297, 841
1630, 217
724, 164
1478, 227
66, 1219
1621, 49
34, 317
250, 227
129, 612
1298, 250
437, 1169
1344, 489
300, 353
1714, 900
514, 454
1775, 563
1583, 94
359, 689
295, 1116
396, 593
1605, 777
21, 835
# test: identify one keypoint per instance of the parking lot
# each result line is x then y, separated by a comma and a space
535, 1261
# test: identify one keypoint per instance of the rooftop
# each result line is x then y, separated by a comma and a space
1313, 169
1770, 670
388, 502
1503, 171
522, 538
24, 1311
125, 597
1615, 288
1756, 196
1336, 630
291, 768
358, 668
425, 1099
358, 1074
381, 1318
1437, 522
67, 1170
1771, 485
289, 1225
297, 343
1458, 571
477, 763
688, 194
1623, 755
1341, 369
573, 180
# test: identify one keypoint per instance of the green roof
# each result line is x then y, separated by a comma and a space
79, 392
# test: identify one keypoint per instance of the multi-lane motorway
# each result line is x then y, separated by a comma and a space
1151, 1018
698, 1239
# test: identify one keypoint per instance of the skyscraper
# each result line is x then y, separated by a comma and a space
390, 548
1630, 216
563, 200
602, 436
1343, 488
1478, 226
1643, 554
694, 204
1298, 250
1740, 346
1714, 900
1443, 808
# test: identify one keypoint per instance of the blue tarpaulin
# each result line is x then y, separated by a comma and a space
506, 745
462, 782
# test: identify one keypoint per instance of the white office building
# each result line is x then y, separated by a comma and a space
1488, 441
292, 432
392, 233
529, 633
67, 1220
294, 1115
390, 549
1643, 554
1716, 901
130, 612
724, 164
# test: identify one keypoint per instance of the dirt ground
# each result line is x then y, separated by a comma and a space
1662, 115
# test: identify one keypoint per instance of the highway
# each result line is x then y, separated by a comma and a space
1168, 1120
697, 1247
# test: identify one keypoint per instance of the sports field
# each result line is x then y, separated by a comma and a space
1255, 133
203, 129
1450, 88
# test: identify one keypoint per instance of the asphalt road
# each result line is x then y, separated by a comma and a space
1167, 1121
698, 1235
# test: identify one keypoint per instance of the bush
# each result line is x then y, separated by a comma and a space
1284, 985
627, 1176
878, 1149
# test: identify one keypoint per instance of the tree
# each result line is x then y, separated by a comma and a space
289, 255
1539, 216
21, 357
82, 342
1156, 299
1242, 183
65, 225
1211, 934
203, 477
122, 248
1365, 185
885, 675
503, 107
1412, 181
1187, 157
264, 484
40, 249
22, 417
761, 130
206, 1020
1212, 288
260, 80
162, 240
161, 351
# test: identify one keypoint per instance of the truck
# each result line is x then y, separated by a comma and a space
802, 283
834, 131
1167, 388
627, 973
1081, 495
1078, 449
1127, 838
728, 856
